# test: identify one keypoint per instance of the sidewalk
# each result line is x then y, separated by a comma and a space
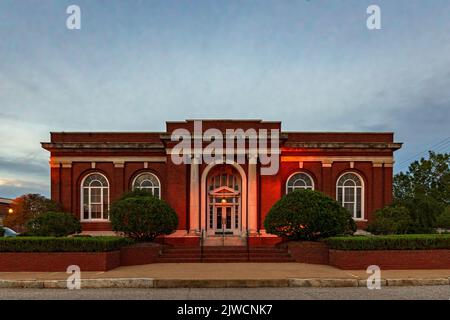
165, 275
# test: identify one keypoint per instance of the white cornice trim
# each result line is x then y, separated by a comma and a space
330, 160
55, 161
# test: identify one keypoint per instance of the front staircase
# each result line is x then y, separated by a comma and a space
221, 254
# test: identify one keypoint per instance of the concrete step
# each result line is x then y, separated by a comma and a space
221, 254
224, 254
223, 249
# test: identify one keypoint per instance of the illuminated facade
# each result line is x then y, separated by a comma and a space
91, 170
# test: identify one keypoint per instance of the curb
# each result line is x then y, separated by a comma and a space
145, 283
221, 283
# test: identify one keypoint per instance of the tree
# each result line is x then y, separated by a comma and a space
424, 211
428, 177
142, 217
443, 221
54, 224
308, 215
394, 219
27, 207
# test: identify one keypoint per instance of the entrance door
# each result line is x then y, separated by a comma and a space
225, 220
224, 202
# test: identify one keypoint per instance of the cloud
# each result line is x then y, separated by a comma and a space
11, 188
313, 67
24, 166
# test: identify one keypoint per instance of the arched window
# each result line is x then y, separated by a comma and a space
95, 197
350, 194
299, 180
148, 182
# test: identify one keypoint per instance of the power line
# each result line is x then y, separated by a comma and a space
442, 145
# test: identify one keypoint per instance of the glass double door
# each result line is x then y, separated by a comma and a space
225, 220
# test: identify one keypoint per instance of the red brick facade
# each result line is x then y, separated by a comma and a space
121, 157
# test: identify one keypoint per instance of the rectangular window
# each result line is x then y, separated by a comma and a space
224, 180
96, 211
211, 217
350, 207
358, 204
349, 195
85, 203
340, 195
228, 218
96, 195
219, 218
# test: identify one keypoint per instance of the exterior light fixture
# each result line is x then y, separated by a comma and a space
224, 201
10, 211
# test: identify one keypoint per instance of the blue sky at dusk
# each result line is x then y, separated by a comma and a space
313, 65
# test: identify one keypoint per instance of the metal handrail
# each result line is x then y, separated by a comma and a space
223, 232
201, 244
248, 245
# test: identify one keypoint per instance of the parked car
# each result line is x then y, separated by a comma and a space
9, 232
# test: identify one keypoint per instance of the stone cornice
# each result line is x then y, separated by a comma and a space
343, 145
101, 145
329, 160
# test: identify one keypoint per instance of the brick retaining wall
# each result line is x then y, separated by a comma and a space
87, 261
58, 261
390, 259
309, 252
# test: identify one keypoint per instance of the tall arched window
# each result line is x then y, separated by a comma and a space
148, 182
299, 180
95, 197
350, 194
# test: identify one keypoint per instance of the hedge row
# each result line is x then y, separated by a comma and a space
391, 242
53, 244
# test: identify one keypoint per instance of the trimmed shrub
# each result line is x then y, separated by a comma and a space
2, 231
391, 242
443, 220
54, 224
390, 220
135, 193
143, 217
308, 215
71, 244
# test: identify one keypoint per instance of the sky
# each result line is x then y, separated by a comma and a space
312, 64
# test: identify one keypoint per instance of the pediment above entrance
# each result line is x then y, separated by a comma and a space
224, 191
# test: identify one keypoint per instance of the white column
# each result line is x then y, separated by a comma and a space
252, 212
194, 198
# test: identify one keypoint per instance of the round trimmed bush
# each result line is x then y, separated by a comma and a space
142, 217
393, 219
308, 215
54, 224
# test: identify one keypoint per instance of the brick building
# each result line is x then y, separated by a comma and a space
5, 205
89, 170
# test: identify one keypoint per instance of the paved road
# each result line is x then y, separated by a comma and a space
390, 293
